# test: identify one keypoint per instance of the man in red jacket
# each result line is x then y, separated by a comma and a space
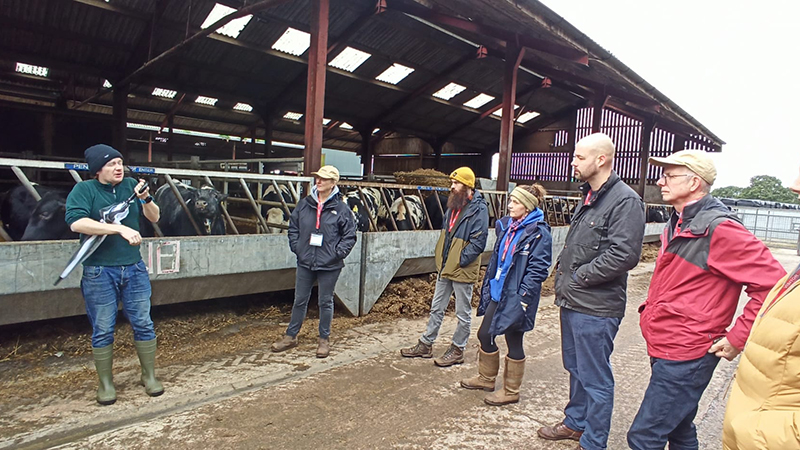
706, 257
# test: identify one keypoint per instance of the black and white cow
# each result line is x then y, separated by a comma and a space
19, 211
657, 213
403, 218
203, 203
436, 214
276, 214
363, 212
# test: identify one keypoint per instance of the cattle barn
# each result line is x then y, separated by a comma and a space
218, 91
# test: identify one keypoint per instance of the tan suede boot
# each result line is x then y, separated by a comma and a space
488, 366
512, 379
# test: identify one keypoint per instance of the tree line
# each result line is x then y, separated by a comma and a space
762, 187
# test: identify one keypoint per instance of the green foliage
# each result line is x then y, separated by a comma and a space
762, 187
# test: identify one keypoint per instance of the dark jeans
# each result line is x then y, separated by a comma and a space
513, 338
103, 287
586, 346
670, 404
326, 279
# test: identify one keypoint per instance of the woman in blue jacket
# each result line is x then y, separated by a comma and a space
510, 292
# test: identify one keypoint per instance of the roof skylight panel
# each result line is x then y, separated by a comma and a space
30, 69
232, 28
166, 93
449, 91
325, 121
350, 59
107, 84
292, 115
478, 101
499, 112
346, 126
242, 107
293, 42
526, 116
394, 74
210, 101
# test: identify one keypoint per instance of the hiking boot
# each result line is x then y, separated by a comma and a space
512, 379
488, 366
421, 350
453, 355
284, 344
559, 432
323, 348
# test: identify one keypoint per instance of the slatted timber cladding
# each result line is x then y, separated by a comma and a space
626, 132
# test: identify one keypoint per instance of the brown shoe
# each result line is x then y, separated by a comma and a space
421, 350
323, 348
488, 366
512, 379
453, 355
284, 344
559, 432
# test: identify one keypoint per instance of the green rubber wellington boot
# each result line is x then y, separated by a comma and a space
103, 360
147, 358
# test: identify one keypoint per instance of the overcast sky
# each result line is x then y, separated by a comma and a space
731, 64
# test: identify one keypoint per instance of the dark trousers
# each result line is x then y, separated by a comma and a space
586, 346
670, 404
513, 338
304, 281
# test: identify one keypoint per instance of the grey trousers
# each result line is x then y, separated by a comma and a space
441, 298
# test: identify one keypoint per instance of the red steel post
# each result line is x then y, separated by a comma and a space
315, 92
513, 58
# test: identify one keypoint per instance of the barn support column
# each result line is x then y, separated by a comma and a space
513, 59
119, 138
572, 137
597, 112
366, 150
170, 140
647, 130
315, 92
679, 143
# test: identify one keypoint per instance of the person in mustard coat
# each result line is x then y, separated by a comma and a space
764, 407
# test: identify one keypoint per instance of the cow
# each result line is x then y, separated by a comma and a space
18, 207
47, 220
204, 205
436, 214
657, 213
403, 218
276, 214
362, 213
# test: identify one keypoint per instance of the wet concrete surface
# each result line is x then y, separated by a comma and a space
364, 396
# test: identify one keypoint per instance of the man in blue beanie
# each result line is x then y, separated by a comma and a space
115, 272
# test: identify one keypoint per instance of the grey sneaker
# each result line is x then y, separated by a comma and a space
453, 355
284, 344
421, 350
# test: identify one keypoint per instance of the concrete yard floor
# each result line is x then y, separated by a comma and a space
364, 396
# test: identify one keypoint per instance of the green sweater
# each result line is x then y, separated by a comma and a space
86, 200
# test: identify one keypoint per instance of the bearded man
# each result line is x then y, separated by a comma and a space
458, 264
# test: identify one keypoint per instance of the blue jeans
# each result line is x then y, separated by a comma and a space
586, 346
103, 287
304, 281
670, 404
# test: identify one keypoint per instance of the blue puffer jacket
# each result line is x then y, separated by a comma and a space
523, 283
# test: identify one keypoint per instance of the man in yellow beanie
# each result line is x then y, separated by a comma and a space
457, 255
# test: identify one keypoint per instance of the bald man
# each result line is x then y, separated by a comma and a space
603, 243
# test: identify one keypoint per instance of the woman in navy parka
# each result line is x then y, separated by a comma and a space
510, 292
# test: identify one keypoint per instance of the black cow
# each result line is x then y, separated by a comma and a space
404, 218
276, 214
657, 214
19, 209
436, 214
47, 220
203, 203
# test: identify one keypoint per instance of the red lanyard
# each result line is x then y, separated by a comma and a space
789, 282
319, 212
509, 237
453, 218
